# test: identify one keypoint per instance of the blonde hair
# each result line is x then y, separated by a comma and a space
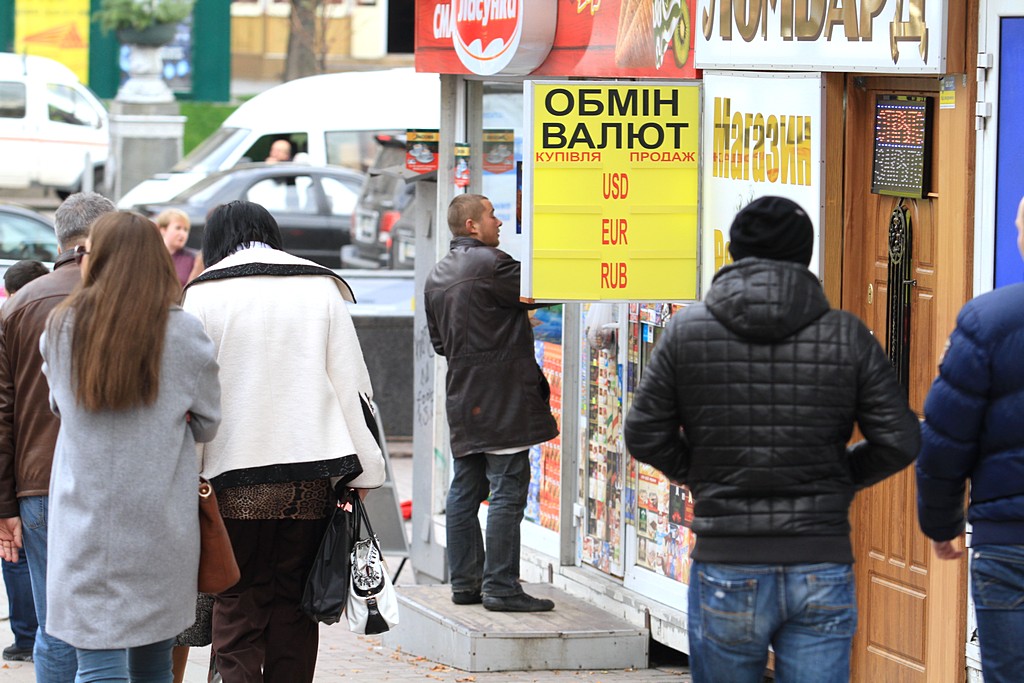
165, 217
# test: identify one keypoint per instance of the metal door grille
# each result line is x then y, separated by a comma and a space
900, 287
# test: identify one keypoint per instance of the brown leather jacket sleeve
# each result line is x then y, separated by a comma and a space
8, 495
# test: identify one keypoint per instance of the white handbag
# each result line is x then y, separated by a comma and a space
372, 603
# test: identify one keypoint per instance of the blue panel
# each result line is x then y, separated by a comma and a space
1010, 155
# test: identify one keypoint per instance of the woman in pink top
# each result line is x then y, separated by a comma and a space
174, 226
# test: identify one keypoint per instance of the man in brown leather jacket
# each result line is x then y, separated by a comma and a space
28, 429
497, 403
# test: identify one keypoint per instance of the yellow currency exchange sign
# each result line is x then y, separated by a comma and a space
612, 180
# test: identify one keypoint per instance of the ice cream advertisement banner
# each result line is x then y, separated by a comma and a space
610, 191
762, 135
907, 36
594, 38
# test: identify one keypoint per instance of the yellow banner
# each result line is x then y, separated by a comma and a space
58, 29
614, 191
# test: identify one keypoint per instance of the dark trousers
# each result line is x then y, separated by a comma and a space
259, 633
494, 568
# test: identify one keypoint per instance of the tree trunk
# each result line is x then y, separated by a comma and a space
301, 59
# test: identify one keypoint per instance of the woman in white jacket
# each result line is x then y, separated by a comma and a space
294, 386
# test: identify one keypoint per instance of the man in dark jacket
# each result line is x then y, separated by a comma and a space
749, 400
28, 428
973, 430
497, 404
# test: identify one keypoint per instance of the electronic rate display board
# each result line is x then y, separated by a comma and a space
903, 133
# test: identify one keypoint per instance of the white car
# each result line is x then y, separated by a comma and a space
24, 234
53, 130
329, 120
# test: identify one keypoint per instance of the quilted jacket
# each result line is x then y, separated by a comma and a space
750, 400
497, 396
974, 426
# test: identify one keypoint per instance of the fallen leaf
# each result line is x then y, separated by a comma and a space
439, 667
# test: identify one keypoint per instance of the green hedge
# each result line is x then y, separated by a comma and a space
203, 119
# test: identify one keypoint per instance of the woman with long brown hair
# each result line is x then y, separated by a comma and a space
134, 380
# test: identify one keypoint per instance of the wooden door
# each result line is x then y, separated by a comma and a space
911, 610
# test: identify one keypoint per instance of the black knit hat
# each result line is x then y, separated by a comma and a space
773, 228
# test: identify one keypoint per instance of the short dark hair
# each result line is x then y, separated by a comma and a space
463, 208
232, 225
22, 273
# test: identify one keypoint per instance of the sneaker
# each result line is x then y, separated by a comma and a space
517, 603
466, 597
17, 654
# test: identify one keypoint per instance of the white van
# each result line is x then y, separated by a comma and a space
328, 119
52, 128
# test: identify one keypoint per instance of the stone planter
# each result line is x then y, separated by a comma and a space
145, 84
153, 35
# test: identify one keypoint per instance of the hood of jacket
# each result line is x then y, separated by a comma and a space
766, 300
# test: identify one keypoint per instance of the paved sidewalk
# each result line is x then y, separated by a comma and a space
345, 656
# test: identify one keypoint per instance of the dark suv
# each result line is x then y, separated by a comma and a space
380, 212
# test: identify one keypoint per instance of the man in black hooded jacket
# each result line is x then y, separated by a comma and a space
750, 400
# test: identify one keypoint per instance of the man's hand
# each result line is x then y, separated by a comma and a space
944, 550
10, 538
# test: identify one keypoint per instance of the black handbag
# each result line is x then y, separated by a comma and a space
326, 592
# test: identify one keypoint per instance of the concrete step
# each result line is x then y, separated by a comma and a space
575, 635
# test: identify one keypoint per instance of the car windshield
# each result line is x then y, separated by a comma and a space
211, 152
203, 191
380, 187
24, 238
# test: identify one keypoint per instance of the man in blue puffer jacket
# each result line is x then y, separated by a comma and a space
974, 430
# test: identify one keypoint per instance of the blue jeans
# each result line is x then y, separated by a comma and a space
55, 660
19, 600
997, 586
507, 477
806, 612
144, 664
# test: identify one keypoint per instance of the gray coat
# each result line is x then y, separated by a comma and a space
123, 521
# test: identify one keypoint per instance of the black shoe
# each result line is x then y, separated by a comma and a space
466, 597
517, 603
17, 654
